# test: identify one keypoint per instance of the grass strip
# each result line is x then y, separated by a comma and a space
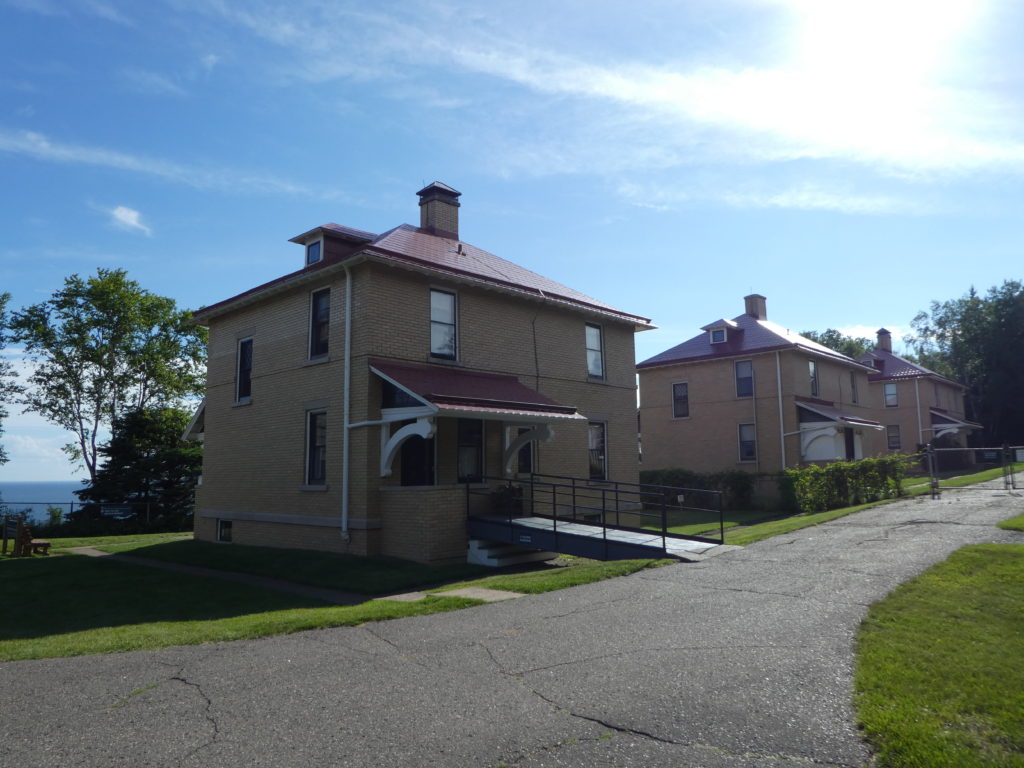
132, 539
70, 606
579, 571
1013, 524
940, 665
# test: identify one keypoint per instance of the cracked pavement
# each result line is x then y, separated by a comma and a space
743, 660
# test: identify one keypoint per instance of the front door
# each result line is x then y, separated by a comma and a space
851, 452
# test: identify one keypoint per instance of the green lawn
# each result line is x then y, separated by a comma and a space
1013, 524
940, 665
70, 605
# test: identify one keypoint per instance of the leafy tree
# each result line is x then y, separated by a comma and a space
9, 388
979, 341
851, 346
146, 462
102, 347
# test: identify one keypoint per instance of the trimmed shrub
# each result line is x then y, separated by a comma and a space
844, 483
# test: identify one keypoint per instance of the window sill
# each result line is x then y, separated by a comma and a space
243, 402
319, 360
592, 379
443, 361
314, 488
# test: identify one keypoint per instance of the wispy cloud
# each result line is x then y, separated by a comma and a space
145, 81
68, 7
862, 83
804, 196
38, 146
129, 219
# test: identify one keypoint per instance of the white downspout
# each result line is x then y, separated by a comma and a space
917, 397
782, 425
346, 405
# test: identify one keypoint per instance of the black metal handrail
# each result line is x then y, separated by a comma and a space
600, 503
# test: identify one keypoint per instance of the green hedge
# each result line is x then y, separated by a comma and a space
737, 487
846, 483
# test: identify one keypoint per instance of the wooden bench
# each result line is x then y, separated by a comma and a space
20, 536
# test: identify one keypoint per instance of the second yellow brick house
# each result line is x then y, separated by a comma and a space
747, 394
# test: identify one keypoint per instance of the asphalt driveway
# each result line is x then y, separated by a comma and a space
742, 660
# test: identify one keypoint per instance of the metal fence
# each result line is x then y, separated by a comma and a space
945, 464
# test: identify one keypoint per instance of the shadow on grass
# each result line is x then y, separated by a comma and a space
364, 575
58, 595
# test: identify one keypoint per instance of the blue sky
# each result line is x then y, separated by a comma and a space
851, 161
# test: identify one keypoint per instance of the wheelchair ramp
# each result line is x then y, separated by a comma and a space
596, 542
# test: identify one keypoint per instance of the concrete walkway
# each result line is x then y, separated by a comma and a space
740, 661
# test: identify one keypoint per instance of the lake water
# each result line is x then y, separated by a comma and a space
17, 496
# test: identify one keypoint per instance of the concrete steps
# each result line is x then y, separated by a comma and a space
497, 554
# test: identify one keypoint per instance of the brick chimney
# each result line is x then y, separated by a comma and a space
756, 306
439, 209
884, 342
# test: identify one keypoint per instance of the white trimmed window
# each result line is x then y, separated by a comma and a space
596, 447
892, 399
316, 448
595, 351
747, 442
812, 372
717, 335
443, 325
680, 400
744, 378
319, 323
224, 531
243, 371
314, 252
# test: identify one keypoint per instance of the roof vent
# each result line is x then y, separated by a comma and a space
439, 209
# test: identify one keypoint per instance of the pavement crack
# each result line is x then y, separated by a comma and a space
402, 654
207, 711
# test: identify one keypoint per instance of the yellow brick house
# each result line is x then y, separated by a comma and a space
350, 402
747, 394
916, 405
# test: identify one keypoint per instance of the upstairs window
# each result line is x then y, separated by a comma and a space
319, 323
717, 335
443, 325
892, 399
314, 252
812, 370
681, 400
854, 395
243, 373
595, 351
744, 378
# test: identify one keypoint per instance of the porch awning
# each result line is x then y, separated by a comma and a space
457, 392
831, 413
942, 423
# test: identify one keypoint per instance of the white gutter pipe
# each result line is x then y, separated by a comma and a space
782, 425
346, 406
